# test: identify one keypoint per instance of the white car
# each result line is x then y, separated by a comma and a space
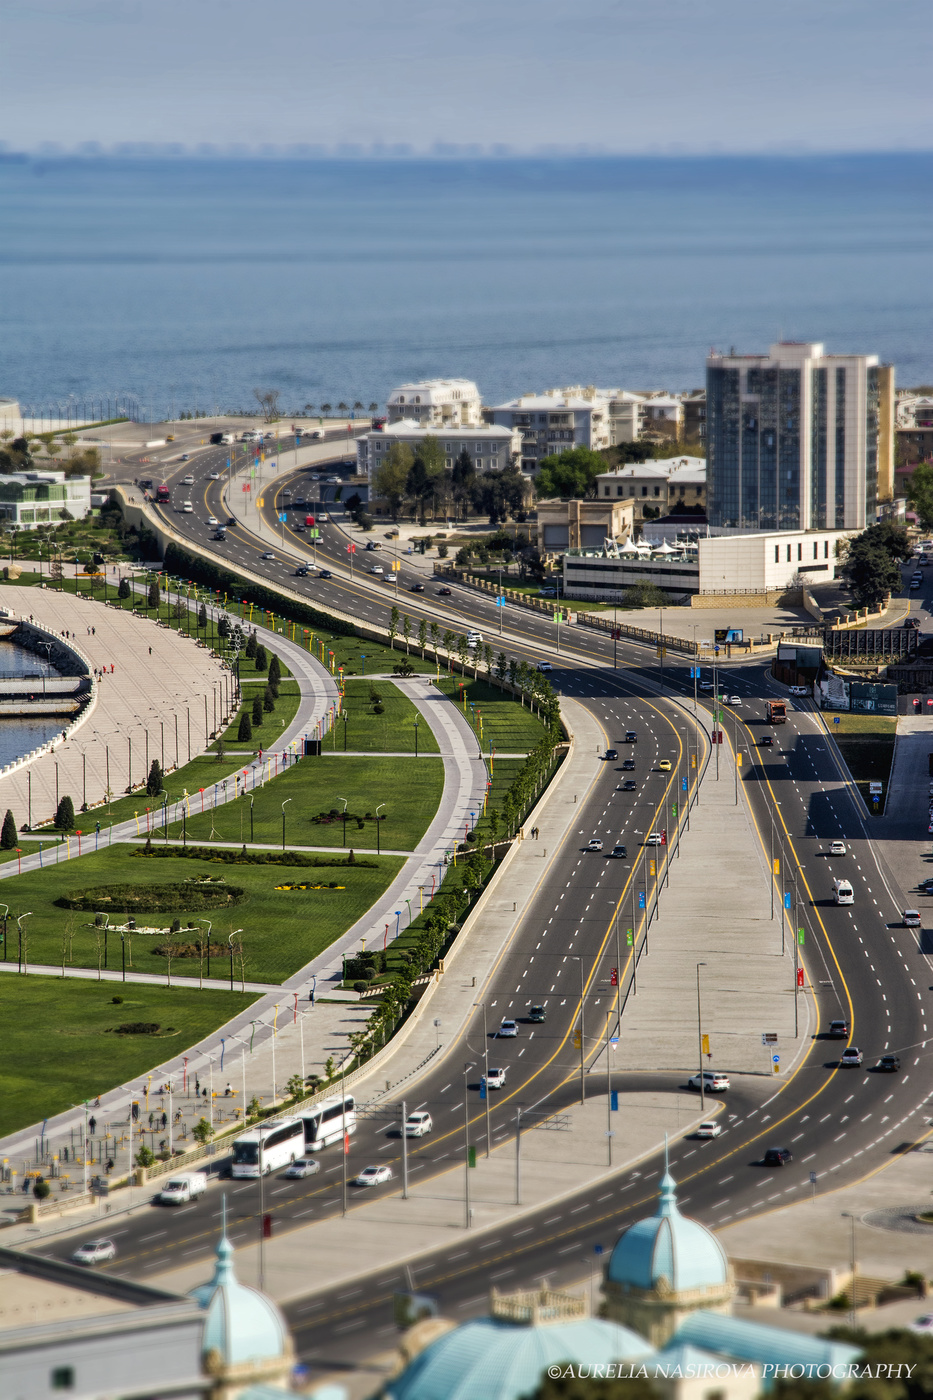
373, 1176
187, 508
653, 839
418, 1123
708, 1130
377, 569
706, 685
213, 476
212, 520
187, 480
712, 1080
95, 1252
545, 666
911, 918
305, 1166
267, 555
507, 1029
837, 848
594, 844
733, 700
799, 690
495, 1079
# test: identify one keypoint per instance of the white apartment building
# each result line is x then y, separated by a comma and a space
28, 499
437, 403
490, 447
555, 421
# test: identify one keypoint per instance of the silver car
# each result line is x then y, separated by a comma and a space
95, 1252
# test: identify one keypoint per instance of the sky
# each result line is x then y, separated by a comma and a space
632, 76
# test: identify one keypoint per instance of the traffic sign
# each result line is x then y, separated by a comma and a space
800, 977
787, 900
836, 720
641, 899
683, 784
875, 789
282, 516
775, 1059
769, 1037
813, 1178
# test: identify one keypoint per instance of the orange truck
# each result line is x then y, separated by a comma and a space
776, 712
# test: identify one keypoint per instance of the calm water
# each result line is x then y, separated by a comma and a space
18, 736
195, 282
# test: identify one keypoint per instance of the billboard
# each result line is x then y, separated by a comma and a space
867, 697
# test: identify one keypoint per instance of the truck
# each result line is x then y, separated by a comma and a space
163, 494
776, 711
178, 1190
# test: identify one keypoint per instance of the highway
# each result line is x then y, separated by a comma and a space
839, 1123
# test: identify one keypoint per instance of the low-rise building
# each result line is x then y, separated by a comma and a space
658, 485
567, 524
436, 403
489, 447
28, 499
555, 421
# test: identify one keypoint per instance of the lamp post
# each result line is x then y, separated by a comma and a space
416, 738
284, 805
577, 958
208, 922
486, 1074
847, 1215
700, 1039
19, 925
378, 837
466, 1146
230, 939
344, 801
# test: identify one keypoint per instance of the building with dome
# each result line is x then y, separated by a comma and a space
664, 1268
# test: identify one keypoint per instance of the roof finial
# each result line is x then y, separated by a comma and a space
667, 1159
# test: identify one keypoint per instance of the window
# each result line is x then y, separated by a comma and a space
619, 490
777, 554
644, 490
826, 549
816, 550
657, 490
799, 553
448, 447
401, 398
63, 1378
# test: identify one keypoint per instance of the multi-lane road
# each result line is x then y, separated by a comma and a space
839, 1123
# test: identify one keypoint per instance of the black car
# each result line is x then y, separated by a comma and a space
444, 592
619, 852
889, 1064
301, 571
629, 765
766, 741
216, 438
324, 573
778, 1157
631, 737
537, 1013
629, 785
612, 753
231, 520
417, 588
838, 1030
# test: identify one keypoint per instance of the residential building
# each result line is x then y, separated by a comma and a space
695, 415
28, 499
661, 485
437, 403
555, 421
798, 439
582, 524
489, 446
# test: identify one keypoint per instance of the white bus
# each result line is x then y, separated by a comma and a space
328, 1121
268, 1147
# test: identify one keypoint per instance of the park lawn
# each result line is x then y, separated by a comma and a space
361, 657
507, 725
282, 928
58, 1041
201, 772
273, 725
409, 788
392, 731
866, 743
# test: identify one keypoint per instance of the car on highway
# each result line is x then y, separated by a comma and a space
837, 848
373, 1176
508, 1029
733, 699
418, 1123
231, 520
629, 785
594, 844
372, 544
494, 1078
538, 1014
665, 765
213, 476
851, 1057
304, 1166
911, 918
923, 560
416, 588
799, 690
302, 571
628, 765
212, 520
766, 741
324, 573
619, 852
777, 1157
706, 686
333, 478
545, 666
713, 1081
94, 1252
219, 534
267, 555
185, 457
187, 480
915, 583
377, 569
631, 737
612, 753
444, 592
653, 839
889, 1064
838, 1030
187, 508
708, 1130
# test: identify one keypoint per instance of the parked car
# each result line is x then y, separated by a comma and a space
778, 1157
889, 1064
305, 1166
495, 1079
594, 844
851, 1057
508, 1029
708, 1130
712, 1080
373, 1176
95, 1252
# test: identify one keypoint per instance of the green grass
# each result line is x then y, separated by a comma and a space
392, 731
410, 790
57, 1050
282, 929
360, 657
507, 726
866, 743
272, 727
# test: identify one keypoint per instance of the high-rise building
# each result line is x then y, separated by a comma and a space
796, 438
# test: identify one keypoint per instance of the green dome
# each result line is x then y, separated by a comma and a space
489, 1359
668, 1245
242, 1324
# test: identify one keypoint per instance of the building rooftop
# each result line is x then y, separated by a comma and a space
408, 427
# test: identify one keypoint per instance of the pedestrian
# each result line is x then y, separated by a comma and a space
151, 1120
93, 631
150, 651
92, 1124
164, 1119
109, 1165
135, 1112
204, 1094
197, 1087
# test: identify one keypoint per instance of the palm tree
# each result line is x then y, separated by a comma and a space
357, 407
373, 408
309, 408
326, 408
343, 407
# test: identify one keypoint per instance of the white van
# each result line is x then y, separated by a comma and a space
842, 892
187, 1186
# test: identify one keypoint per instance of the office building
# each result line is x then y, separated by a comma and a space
28, 499
797, 439
437, 403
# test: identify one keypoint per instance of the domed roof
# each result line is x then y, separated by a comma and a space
242, 1324
670, 1246
489, 1359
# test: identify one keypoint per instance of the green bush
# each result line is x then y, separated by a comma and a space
42, 1190
8, 835
65, 815
245, 731
246, 857
261, 660
158, 899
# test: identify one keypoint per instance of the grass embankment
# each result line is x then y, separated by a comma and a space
866, 743
60, 1045
407, 792
506, 725
392, 731
282, 928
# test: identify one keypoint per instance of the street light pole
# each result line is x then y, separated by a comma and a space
284, 805
486, 1073
700, 1039
579, 959
209, 926
847, 1215
378, 839
466, 1147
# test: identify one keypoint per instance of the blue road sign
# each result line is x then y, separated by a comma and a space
641, 899
282, 516
683, 784
836, 719
614, 1101
775, 1059
482, 1089
597, 1249
787, 901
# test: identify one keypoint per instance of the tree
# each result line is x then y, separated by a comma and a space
462, 477
8, 836
268, 400
202, 1132
144, 1158
268, 700
373, 408
628, 453
571, 473
391, 478
326, 408
573, 1387
920, 494
275, 670
499, 494
245, 730
251, 645
202, 616
154, 596
261, 660
296, 1085
257, 710
154, 781
395, 618
871, 564
65, 815
124, 589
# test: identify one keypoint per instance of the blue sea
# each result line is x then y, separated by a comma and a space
188, 284
20, 736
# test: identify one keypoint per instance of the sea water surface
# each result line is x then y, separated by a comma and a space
190, 283
19, 736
